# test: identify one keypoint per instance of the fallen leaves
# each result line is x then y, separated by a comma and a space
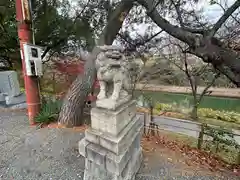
60, 126
192, 156
3, 109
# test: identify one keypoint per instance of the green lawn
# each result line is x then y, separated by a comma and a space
216, 103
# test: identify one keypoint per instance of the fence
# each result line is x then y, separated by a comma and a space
207, 137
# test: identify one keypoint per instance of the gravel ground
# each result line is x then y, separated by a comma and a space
27, 153
52, 154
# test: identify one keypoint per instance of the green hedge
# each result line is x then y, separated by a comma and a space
212, 102
227, 116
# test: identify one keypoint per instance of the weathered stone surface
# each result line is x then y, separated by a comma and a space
82, 145
110, 161
94, 171
18, 106
133, 166
12, 100
9, 84
116, 164
10, 95
96, 153
2, 97
112, 122
112, 104
114, 73
116, 144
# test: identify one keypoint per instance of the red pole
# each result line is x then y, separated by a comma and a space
31, 82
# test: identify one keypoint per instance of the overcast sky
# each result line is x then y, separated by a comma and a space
211, 12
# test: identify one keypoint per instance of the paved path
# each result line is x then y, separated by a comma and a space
52, 154
185, 127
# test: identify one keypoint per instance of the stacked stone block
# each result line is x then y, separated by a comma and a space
10, 93
111, 146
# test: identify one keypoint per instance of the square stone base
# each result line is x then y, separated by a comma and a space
95, 172
116, 144
112, 104
112, 146
110, 161
121, 162
101, 164
12, 100
113, 122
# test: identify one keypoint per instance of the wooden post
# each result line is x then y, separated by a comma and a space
24, 21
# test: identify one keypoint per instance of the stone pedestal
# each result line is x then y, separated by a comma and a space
111, 146
9, 83
13, 100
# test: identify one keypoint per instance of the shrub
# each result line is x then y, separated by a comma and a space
202, 112
223, 143
220, 115
49, 111
174, 107
164, 107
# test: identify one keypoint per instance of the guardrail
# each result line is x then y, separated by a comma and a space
212, 137
176, 125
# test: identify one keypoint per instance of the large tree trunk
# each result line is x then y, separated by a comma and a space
72, 109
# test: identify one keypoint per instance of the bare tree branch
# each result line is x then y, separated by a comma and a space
225, 11
229, 75
178, 11
191, 78
208, 86
223, 18
175, 31
61, 40
115, 22
179, 16
144, 41
133, 45
156, 5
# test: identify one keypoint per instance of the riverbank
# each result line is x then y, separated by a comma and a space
220, 92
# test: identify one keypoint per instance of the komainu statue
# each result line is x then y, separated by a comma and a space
115, 74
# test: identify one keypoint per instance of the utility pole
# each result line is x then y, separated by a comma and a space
24, 20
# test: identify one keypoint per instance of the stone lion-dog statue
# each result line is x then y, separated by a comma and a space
114, 73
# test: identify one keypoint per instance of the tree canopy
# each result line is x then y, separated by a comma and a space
53, 27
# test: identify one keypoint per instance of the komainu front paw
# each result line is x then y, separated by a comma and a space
101, 95
115, 97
